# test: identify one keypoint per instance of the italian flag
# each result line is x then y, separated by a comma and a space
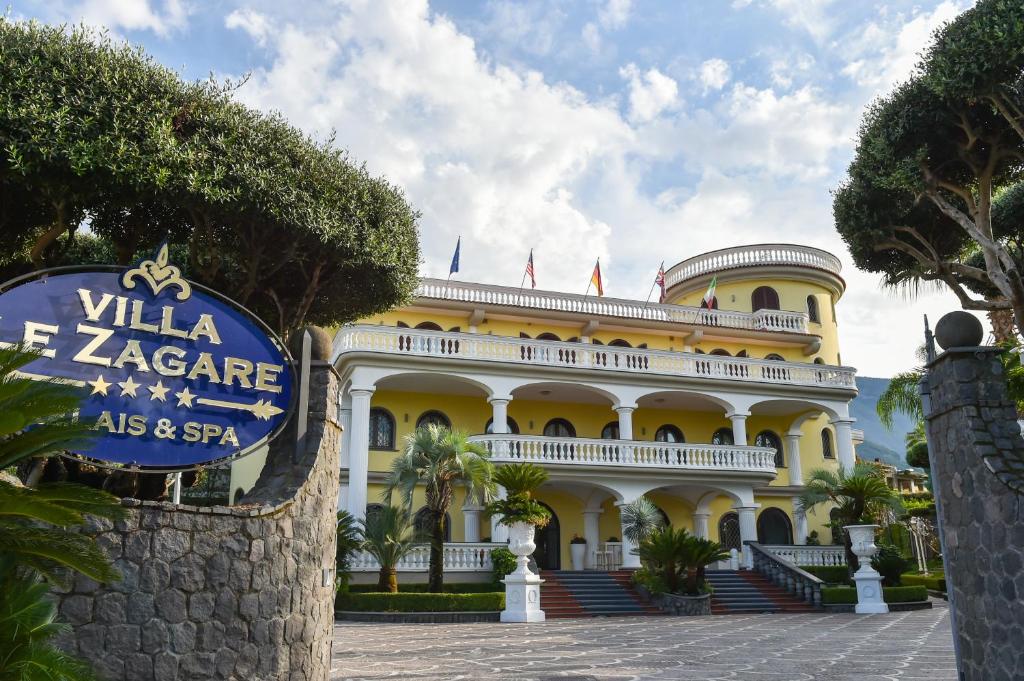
709, 297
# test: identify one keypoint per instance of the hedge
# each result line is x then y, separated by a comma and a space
457, 588
832, 595
935, 581
830, 574
420, 602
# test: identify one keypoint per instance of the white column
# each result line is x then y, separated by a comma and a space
499, 532
629, 559
345, 417
471, 522
359, 450
748, 530
800, 524
625, 422
592, 533
700, 525
796, 474
844, 443
739, 427
499, 413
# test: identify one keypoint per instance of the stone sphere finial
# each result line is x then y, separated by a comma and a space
959, 329
320, 348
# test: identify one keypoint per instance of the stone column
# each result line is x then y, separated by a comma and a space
471, 522
592, 533
629, 559
739, 427
359, 450
796, 474
499, 413
345, 418
748, 530
499, 532
625, 422
844, 443
700, 525
799, 525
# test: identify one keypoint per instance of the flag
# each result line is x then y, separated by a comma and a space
595, 278
529, 270
659, 279
455, 259
709, 297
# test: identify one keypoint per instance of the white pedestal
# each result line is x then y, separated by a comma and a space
522, 599
869, 592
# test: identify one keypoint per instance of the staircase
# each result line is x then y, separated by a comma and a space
567, 593
744, 591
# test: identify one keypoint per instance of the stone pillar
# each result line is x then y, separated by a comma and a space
359, 450
592, 533
700, 525
471, 522
748, 530
499, 413
796, 473
799, 524
629, 559
844, 443
625, 422
739, 427
974, 441
499, 532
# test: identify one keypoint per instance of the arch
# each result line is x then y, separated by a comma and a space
812, 310
798, 407
586, 392
513, 427
769, 438
424, 382
401, 325
524, 335
574, 339
827, 451
720, 352
610, 431
594, 341
723, 436
686, 400
239, 492
775, 357
729, 531
433, 416
620, 343
429, 326
548, 553
669, 433
764, 298
455, 329
423, 524
559, 427
742, 353
819, 360
382, 428
774, 527
547, 336
666, 521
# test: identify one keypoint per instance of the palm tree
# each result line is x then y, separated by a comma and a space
442, 460
858, 497
903, 396
640, 518
388, 537
348, 542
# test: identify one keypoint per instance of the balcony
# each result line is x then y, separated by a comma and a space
482, 294
759, 255
401, 342
574, 451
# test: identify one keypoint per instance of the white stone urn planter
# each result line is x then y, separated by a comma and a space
578, 553
869, 582
522, 586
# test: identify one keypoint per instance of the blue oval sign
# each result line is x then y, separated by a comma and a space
174, 376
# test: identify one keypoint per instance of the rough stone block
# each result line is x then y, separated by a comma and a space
155, 636
123, 639
110, 609
170, 606
154, 576
165, 667
139, 667
183, 637
77, 609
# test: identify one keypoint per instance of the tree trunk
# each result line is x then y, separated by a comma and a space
387, 580
436, 579
1003, 327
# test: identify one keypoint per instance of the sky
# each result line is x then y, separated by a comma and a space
634, 131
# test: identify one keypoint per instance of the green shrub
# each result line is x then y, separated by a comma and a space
833, 595
457, 588
890, 563
504, 562
420, 602
830, 574
935, 581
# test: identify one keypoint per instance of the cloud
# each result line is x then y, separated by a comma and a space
714, 74
614, 14
253, 23
650, 92
161, 17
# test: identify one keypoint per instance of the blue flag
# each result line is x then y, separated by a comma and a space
455, 258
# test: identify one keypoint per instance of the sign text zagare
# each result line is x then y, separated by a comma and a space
174, 376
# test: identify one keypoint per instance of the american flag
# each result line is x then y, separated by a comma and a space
529, 270
659, 280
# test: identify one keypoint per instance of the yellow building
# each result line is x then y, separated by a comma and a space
715, 414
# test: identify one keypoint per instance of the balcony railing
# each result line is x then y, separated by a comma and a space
577, 451
458, 557
483, 294
808, 555
525, 351
753, 256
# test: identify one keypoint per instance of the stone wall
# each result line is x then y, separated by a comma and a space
973, 432
223, 593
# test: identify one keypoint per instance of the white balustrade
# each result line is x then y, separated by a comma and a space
632, 453
827, 556
753, 256
471, 346
484, 294
458, 557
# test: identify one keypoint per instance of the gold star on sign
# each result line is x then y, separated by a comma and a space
185, 398
99, 386
128, 387
159, 392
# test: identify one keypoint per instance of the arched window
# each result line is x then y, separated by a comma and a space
812, 310
513, 427
767, 438
729, 531
559, 428
455, 329
382, 429
668, 433
774, 527
594, 341
775, 357
373, 509
619, 343
720, 352
433, 417
574, 339
610, 431
826, 444
424, 527
548, 337
402, 325
819, 360
523, 335
764, 298
742, 353
239, 493
700, 352
429, 326
664, 516
722, 436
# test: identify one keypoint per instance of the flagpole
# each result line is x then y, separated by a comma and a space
523, 282
651, 292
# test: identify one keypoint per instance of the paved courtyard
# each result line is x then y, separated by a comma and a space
910, 645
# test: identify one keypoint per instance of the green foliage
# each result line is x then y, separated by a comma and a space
903, 396
832, 595
813, 539
858, 495
521, 478
388, 537
935, 581
348, 542
651, 580
830, 574
452, 588
675, 560
420, 602
520, 481
640, 518
286, 225
504, 562
890, 563
919, 507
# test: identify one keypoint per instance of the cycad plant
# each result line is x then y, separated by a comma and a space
663, 552
520, 481
441, 460
388, 537
640, 518
347, 543
700, 553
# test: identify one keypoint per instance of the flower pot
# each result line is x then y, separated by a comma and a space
862, 541
578, 552
867, 579
520, 543
685, 606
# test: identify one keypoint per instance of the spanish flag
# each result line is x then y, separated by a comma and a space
595, 278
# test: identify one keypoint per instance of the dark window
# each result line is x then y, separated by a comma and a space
722, 436
433, 417
594, 341
429, 326
669, 433
819, 360
729, 531
826, 444
619, 343
700, 352
664, 516
423, 524
373, 509
773, 527
642, 346
548, 337
812, 310
559, 428
455, 329
610, 431
548, 553
513, 427
720, 352
767, 438
742, 353
382, 429
523, 335
574, 339
764, 298
402, 325
775, 357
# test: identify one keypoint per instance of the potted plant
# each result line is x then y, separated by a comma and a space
673, 563
578, 551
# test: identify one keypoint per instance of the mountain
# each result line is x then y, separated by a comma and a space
879, 442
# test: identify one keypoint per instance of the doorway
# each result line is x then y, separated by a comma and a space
549, 551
